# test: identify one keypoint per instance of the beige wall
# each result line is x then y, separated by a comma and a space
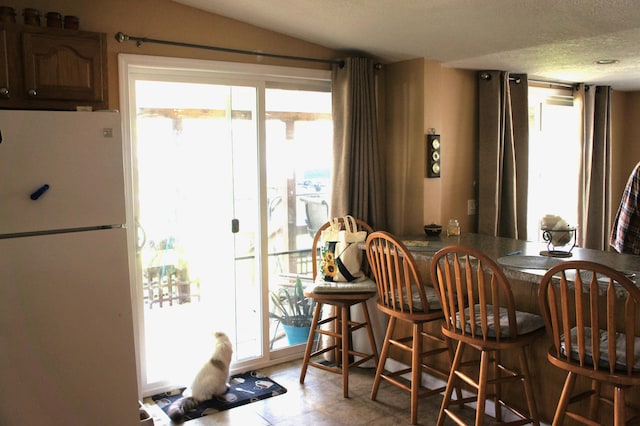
450, 108
422, 95
404, 150
167, 20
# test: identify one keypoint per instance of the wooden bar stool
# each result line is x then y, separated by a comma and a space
341, 296
480, 315
405, 299
592, 317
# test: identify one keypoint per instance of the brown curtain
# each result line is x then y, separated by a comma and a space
594, 199
503, 154
358, 187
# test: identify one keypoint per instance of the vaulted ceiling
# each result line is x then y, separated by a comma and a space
556, 40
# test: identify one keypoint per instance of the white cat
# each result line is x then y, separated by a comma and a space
210, 381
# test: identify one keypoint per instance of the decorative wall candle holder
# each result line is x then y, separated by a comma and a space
433, 155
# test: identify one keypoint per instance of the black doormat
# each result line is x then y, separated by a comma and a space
244, 388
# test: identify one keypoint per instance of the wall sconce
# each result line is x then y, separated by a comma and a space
433, 155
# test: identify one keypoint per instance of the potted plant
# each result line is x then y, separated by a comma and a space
294, 311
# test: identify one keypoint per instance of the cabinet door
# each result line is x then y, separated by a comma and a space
65, 66
4, 65
10, 80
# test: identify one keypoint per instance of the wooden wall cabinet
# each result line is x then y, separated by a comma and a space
46, 68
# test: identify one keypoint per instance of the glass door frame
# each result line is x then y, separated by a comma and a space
222, 73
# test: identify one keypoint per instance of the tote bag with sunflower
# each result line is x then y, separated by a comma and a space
341, 258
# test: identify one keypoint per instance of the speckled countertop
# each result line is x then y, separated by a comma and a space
513, 255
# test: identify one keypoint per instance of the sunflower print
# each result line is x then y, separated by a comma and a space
328, 264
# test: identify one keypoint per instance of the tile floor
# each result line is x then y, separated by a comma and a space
319, 402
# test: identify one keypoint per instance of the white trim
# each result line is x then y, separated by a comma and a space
234, 70
136, 297
131, 66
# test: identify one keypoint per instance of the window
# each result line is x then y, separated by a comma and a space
554, 157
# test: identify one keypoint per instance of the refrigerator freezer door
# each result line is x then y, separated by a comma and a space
77, 154
66, 337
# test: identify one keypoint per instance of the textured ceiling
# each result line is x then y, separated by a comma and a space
556, 40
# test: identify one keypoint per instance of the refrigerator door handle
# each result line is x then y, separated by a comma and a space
38, 193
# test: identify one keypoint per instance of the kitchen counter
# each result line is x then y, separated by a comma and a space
520, 260
524, 266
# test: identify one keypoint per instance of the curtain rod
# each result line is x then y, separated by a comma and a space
545, 83
554, 83
487, 76
121, 38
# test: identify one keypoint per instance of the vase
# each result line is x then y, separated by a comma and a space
296, 335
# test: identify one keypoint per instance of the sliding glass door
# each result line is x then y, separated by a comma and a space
298, 176
223, 167
197, 212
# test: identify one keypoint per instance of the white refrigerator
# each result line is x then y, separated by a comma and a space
67, 354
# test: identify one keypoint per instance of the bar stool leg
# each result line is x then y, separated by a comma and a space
345, 350
565, 396
416, 371
383, 358
618, 406
369, 327
594, 402
482, 388
446, 400
312, 336
528, 389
